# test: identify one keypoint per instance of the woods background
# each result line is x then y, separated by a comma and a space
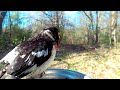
97, 36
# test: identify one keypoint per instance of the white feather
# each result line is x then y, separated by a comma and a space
40, 53
45, 65
46, 52
10, 57
38, 70
34, 53
48, 33
22, 56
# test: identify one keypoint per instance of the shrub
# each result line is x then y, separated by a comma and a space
18, 35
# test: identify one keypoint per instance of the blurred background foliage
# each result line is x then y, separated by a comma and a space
89, 40
99, 28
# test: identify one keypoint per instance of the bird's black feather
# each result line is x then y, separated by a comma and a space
21, 64
24, 61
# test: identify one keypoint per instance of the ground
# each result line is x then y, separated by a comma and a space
98, 63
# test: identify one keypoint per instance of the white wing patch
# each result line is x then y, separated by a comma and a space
46, 52
22, 56
35, 70
40, 53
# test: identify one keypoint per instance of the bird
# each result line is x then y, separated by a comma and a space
31, 57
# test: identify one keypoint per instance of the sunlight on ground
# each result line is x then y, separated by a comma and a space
98, 64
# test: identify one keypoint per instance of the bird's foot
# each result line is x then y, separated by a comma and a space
36, 76
41, 75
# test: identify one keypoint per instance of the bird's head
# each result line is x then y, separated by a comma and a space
55, 34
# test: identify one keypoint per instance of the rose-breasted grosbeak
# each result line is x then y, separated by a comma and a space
31, 57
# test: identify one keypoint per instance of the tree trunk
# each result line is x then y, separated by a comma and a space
90, 27
88, 34
10, 28
92, 38
96, 41
57, 19
2, 16
101, 20
113, 29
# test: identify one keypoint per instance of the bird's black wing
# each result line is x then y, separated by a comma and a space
22, 64
30, 54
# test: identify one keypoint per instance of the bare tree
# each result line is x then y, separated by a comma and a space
113, 27
2, 16
101, 18
97, 29
56, 18
10, 28
90, 27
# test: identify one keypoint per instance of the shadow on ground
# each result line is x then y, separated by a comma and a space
65, 49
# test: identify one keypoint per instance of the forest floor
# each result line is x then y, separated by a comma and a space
98, 63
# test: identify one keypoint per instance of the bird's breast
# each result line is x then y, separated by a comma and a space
38, 69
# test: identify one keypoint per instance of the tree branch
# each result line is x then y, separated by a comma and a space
48, 16
87, 16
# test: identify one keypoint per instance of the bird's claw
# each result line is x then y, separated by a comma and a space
41, 75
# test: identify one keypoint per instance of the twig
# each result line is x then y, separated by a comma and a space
87, 16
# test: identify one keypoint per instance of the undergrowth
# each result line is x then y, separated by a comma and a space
97, 63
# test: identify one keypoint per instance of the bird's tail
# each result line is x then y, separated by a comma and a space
1, 73
8, 76
4, 75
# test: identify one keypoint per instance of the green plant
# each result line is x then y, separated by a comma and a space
104, 39
15, 36
4, 39
19, 35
